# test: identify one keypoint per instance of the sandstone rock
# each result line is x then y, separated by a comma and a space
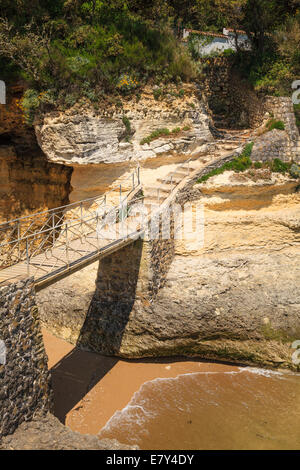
83, 137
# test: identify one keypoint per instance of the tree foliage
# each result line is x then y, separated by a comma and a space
69, 44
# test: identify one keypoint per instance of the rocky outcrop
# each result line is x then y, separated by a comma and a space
85, 136
47, 433
236, 298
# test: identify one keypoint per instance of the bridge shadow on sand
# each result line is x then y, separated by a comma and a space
74, 376
102, 332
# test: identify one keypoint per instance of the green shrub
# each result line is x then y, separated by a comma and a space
113, 48
295, 171
155, 135
273, 124
258, 165
70, 100
30, 103
228, 52
241, 163
278, 166
162, 132
247, 152
127, 124
238, 164
157, 93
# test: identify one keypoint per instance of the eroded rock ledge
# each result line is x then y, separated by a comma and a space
86, 136
45, 432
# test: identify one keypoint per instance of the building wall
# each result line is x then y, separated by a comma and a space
218, 43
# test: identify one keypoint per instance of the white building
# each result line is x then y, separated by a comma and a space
208, 43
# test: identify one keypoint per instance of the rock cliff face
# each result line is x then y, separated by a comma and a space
82, 136
29, 183
103, 146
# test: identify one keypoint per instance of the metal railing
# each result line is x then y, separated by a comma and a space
43, 242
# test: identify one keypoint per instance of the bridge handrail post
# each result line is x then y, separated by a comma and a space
81, 217
19, 241
27, 258
67, 245
53, 228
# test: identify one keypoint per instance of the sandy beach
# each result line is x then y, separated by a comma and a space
89, 389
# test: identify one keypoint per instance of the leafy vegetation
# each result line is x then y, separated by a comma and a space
273, 124
93, 49
238, 164
244, 163
81, 48
164, 132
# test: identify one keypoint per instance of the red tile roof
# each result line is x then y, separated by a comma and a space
240, 31
205, 33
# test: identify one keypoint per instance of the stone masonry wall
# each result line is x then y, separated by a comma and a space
126, 279
271, 145
232, 100
282, 109
24, 377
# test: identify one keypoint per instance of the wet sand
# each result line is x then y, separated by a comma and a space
174, 404
89, 389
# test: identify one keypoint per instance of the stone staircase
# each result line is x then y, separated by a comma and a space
161, 188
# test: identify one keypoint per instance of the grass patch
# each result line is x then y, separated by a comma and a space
244, 163
164, 132
127, 124
278, 166
273, 124
238, 164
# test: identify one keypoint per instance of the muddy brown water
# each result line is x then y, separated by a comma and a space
174, 404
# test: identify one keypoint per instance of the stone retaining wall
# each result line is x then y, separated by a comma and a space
126, 279
271, 145
282, 109
231, 98
24, 377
